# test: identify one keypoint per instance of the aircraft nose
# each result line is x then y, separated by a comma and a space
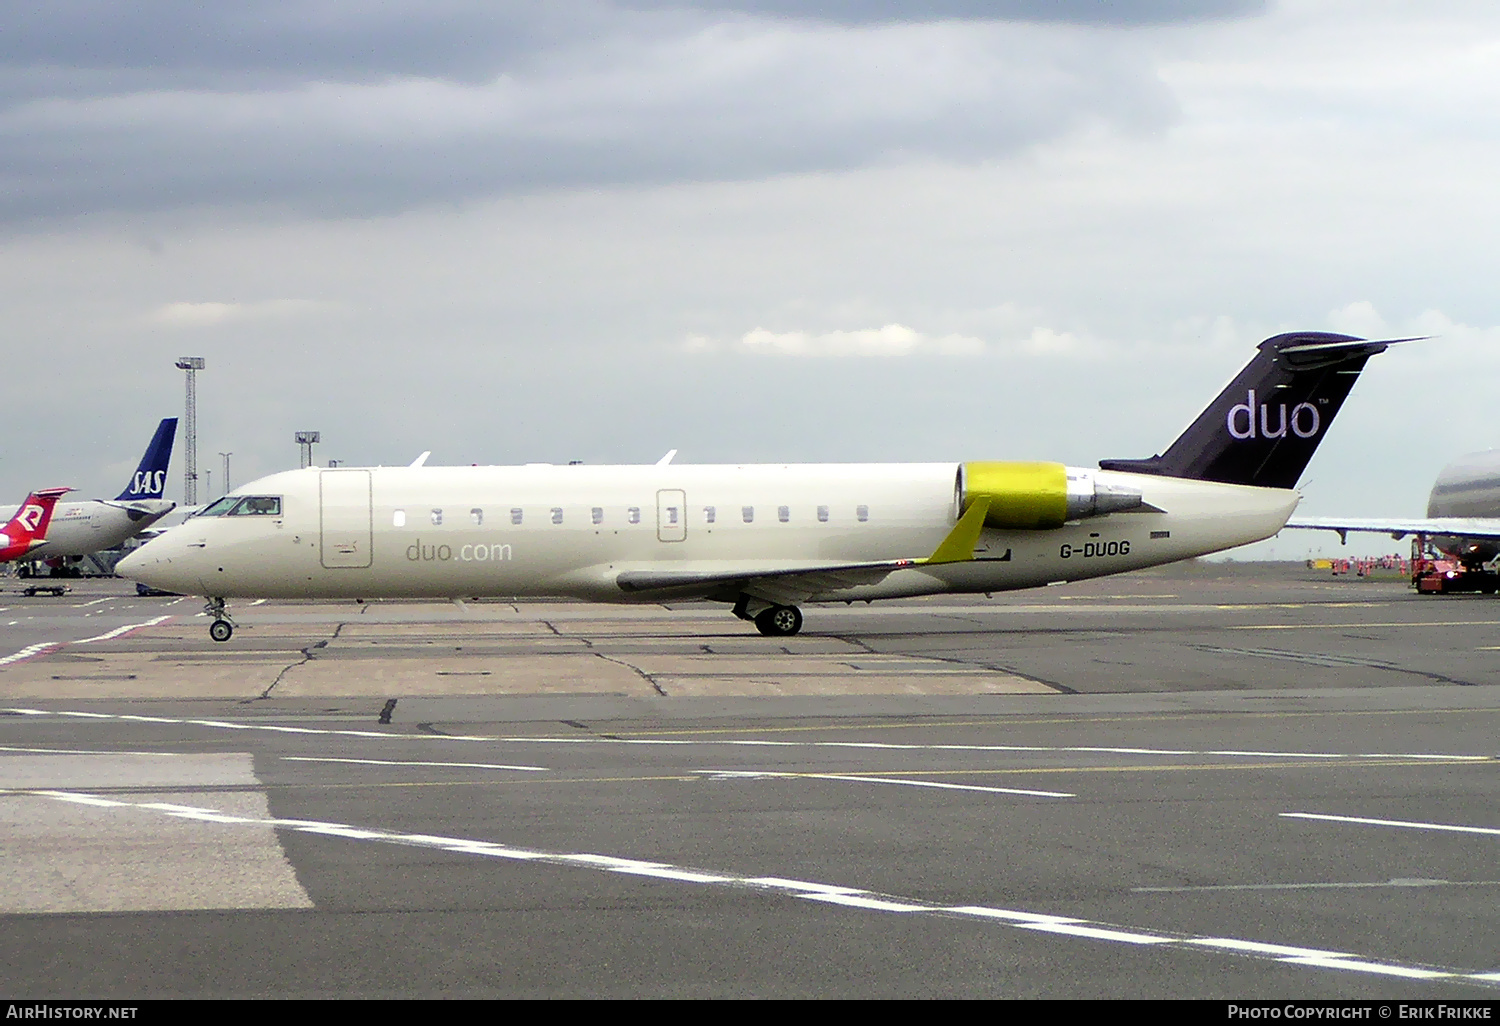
153, 565
131, 564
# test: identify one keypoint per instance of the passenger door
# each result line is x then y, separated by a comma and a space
346, 522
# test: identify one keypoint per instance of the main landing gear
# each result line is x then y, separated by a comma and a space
222, 629
779, 621
772, 621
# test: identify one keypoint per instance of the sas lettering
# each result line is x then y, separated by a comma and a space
149, 482
1242, 422
1089, 549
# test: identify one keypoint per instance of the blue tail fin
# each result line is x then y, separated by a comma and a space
150, 478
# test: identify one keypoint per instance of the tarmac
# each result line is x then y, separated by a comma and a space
1208, 781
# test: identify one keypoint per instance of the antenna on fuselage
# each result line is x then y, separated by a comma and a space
667, 458
422, 459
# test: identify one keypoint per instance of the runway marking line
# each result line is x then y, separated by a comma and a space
1022, 720
46, 647
396, 762
1405, 824
830, 894
1348, 626
1398, 883
750, 742
861, 778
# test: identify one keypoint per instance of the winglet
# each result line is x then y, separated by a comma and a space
958, 547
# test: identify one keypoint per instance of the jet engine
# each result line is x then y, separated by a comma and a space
1040, 496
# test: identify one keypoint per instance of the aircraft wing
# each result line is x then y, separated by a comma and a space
788, 585
782, 585
1462, 527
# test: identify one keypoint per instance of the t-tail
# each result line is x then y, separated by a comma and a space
150, 478
28, 528
1264, 428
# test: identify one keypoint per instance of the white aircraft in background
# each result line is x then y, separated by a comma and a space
27, 526
78, 528
1463, 513
765, 539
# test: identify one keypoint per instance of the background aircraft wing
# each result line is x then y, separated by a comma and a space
1463, 527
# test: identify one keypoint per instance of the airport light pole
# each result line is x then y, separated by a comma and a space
307, 439
226, 456
192, 365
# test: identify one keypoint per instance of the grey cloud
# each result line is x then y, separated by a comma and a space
1082, 12
182, 41
723, 102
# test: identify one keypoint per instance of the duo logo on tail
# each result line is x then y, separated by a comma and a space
150, 478
28, 528
1264, 428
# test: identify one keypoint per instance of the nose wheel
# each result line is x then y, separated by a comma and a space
222, 629
779, 621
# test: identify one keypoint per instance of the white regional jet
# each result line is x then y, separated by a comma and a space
765, 539
78, 528
1463, 513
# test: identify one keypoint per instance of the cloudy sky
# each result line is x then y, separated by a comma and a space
751, 231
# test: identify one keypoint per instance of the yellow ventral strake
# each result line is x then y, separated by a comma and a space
1021, 496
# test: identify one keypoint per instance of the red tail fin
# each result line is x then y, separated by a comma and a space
28, 528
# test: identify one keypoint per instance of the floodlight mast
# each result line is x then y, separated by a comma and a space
307, 439
192, 365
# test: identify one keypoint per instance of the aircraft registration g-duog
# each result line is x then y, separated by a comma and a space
765, 539
78, 528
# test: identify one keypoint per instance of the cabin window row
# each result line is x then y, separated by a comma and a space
632, 515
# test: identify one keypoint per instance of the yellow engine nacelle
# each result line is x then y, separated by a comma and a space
1039, 496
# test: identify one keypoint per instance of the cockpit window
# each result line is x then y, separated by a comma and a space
218, 507
257, 506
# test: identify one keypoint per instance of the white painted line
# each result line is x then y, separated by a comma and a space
84, 751
31, 650
42, 648
394, 762
1409, 883
848, 897
85, 605
771, 774
1097, 933
123, 630
757, 743
1274, 950
1406, 824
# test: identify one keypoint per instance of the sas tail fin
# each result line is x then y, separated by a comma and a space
1264, 428
150, 478
28, 528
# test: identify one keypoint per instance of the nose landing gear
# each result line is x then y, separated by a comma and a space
222, 629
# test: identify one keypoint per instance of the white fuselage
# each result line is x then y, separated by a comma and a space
457, 532
78, 528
